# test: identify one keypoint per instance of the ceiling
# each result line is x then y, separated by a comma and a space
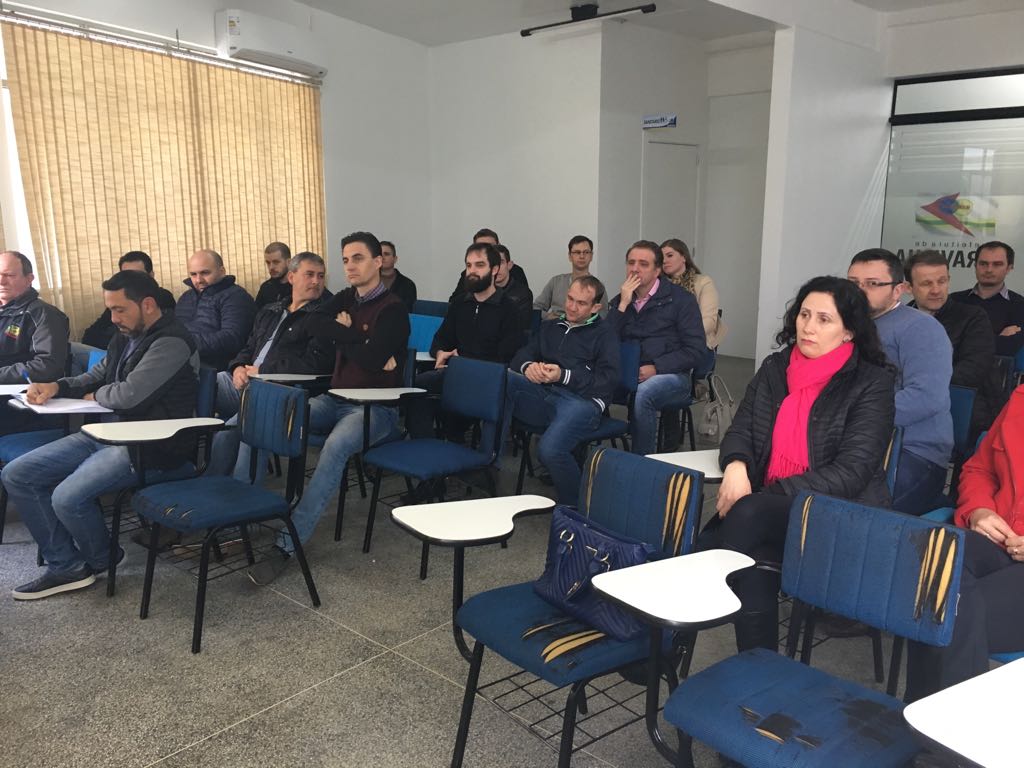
439, 22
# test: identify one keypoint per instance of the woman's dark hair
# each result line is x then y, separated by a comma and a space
679, 247
853, 308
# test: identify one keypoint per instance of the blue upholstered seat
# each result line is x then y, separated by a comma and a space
427, 457
205, 502
776, 711
639, 498
891, 571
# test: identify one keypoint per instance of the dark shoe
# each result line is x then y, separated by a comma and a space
101, 572
265, 571
51, 583
168, 537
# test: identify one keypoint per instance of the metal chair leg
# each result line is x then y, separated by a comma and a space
300, 555
895, 662
468, 697
115, 534
808, 644
424, 557
204, 568
569, 724
688, 415
876, 650
522, 468
147, 584
373, 510
360, 474
247, 543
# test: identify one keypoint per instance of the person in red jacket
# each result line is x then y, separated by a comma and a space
991, 507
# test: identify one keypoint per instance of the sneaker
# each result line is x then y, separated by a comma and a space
51, 583
265, 571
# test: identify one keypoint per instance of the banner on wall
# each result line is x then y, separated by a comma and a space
952, 187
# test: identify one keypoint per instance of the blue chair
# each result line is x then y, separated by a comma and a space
272, 418
1018, 363
961, 407
427, 307
891, 571
608, 429
644, 499
473, 389
422, 329
891, 463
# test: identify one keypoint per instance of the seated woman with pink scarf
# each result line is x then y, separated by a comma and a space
818, 416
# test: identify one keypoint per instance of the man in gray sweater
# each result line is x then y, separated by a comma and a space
149, 372
551, 300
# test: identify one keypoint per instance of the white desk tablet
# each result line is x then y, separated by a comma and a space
467, 522
375, 394
977, 719
701, 461
126, 432
285, 378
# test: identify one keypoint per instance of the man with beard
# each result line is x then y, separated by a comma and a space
149, 372
481, 324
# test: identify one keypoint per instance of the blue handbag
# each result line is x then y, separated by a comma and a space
578, 550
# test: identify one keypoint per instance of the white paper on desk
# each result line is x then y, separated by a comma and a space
65, 405
12, 389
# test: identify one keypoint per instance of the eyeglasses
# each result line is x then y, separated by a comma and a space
580, 253
871, 284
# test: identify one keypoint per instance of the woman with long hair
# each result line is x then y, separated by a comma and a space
818, 415
680, 268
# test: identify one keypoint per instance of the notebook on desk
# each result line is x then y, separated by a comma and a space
59, 405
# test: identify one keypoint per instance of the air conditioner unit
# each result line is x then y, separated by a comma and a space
248, 37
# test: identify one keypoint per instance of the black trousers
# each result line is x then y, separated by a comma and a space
989, 619
756, 526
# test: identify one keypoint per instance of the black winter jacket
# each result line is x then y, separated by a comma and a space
484, 330
295, 349
33, 340
588, 355
848, 431
669, 328
404, 288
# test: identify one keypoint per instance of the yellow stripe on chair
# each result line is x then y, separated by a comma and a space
570, 643
291, 417
667, 525
888, 452
595, 460
541, 627
803, 523
681, 515
770, 735
919, 596
941, 597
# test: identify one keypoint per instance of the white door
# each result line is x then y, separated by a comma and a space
670, 191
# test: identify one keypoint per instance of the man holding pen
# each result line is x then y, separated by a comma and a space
150, 372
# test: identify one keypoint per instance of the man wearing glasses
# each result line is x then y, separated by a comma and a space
917, 345
551, 300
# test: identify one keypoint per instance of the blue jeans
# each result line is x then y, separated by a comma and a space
55, 488
663, 390
342, 422
228, 398
918, 485
567, 419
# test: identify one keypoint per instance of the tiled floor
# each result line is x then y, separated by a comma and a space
372, 678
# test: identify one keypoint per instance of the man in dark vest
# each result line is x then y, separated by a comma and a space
149, 372
369, 326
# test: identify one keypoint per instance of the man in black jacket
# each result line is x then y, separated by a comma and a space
481, 324
564, 378
281, 340
33, 338
149, 372
99, 334
393, 280
1005, 308
490, 237
968, 329
666, 320
276, 287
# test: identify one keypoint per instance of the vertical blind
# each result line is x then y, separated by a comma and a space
125, 149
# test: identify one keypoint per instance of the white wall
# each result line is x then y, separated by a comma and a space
373, 109
827, 149
739, 99
514, 147
951, 38
643, 71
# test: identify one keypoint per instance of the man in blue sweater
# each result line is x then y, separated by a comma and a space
564, 377
917, 345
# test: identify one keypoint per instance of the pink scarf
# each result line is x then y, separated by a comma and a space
805, 378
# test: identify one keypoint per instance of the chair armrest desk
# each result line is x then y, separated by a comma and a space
656, 593
469, 523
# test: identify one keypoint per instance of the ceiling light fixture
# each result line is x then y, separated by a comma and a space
588, 12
